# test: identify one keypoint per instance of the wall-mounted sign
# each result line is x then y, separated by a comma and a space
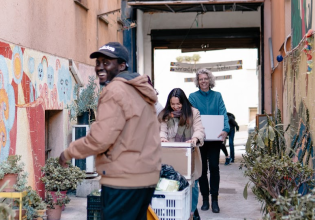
214, 67
216, 78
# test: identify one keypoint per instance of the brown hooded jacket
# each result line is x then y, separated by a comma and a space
125, 136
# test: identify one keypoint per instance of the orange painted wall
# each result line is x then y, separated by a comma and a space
278, 36
59, 27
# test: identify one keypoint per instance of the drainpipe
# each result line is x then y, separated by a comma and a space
262, 74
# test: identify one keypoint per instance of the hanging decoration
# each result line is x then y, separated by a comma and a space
308, 50
279, 58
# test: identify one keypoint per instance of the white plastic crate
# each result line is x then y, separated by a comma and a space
172, 205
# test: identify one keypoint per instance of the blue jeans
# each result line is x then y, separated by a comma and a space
231, 142
195, 194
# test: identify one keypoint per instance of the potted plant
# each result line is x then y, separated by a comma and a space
13, 170
55, 202
85, 103
58, 179
270, 169
34, 205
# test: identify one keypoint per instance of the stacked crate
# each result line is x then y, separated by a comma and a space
93, 207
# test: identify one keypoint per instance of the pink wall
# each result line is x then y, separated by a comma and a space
278, 36
58, 27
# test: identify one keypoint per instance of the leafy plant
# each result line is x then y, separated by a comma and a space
33, 199
13, 166
57, 178
60, 200
86, 99
31, 202
295, 206
5, 209
269, 167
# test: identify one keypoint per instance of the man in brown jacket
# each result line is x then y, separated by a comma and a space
124, 137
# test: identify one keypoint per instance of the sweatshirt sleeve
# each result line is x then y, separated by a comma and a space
192, 100
199, 131
222, 111
103, 132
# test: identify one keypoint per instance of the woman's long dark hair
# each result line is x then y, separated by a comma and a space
186, 117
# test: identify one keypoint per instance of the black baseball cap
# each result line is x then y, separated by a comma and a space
112, 50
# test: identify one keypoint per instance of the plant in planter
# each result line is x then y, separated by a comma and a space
269, 168
55, 202
34, 205
57, 178
12, 169
85, 103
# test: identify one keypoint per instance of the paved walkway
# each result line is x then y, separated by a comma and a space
232, 204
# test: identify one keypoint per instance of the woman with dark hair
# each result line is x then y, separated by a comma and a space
209, 102
180, 122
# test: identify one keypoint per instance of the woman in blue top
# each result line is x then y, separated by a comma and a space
209, 102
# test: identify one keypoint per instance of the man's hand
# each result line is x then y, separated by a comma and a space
63, 160
193, 141
223, 135
164, 140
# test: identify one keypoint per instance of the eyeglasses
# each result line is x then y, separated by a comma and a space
203, 79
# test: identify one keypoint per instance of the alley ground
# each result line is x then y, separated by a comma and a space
232, 204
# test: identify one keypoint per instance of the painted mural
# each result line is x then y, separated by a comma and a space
30, 83
301, 19
299, 103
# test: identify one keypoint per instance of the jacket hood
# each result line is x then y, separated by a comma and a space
140, 83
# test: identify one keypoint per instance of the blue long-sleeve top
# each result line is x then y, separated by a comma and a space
210, 103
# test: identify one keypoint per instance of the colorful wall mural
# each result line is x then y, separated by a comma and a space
31, 82
299, 103
301, 19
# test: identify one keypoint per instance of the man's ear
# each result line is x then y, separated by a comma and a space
122, 66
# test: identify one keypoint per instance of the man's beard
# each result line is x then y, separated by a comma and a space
114, 74
104, 83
